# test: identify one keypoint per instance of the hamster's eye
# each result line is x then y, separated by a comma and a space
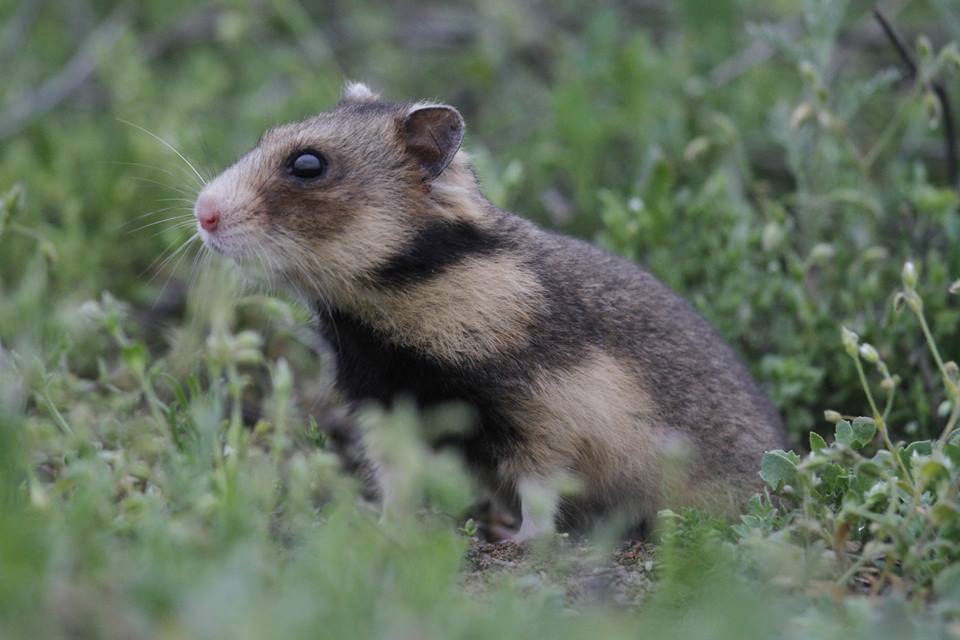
307, 164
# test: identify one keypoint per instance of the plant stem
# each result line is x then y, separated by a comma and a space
889, 405
933, 348
887, 135
852, 571
57, 416
878, 417
951, 423
866, 387
953, 391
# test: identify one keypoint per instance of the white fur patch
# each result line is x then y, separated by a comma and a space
358, 92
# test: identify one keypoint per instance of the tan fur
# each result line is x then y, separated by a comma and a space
478, 309
596, 422
455, 194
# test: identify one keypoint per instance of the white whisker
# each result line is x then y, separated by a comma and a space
154, 212
181, 217
179, 226
159, 267
143, 165
167, 145
176, 265
179, 190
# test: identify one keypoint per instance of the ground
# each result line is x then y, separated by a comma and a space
623, 578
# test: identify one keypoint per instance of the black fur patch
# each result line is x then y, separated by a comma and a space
440, 245
369, 367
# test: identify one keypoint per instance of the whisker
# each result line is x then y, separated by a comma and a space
163, 253
198, 261
159, 267
179, 190
143, 165
186, 224
182, 217
190, 201
293, 249
173, 270
154, 212
167, 145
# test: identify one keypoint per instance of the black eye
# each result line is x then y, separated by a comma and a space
307, 164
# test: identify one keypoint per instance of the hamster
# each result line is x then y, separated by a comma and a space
578, 364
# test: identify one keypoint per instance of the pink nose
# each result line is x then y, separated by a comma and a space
208, 213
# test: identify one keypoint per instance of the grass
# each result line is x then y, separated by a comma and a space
164, 467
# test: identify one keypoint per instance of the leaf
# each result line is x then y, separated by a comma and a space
135, 355
10, 205
952, 451
920, 447
932, 469
844, 433
778, 468
871, 468
834, 479
943, 513
864, 430
817, 442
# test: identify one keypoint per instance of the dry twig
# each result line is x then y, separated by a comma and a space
56, 89
949, 127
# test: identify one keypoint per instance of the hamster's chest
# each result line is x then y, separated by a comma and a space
370, 367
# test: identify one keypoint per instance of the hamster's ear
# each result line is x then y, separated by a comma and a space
357, 93
433, 134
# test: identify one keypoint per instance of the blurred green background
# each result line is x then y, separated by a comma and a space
774, 162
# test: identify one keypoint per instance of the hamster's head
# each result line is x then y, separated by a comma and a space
322, 203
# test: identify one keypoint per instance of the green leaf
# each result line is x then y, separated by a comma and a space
834, 479
817, 442
871, 468
778, 468
944, 513
932, 469
10, 204
952, 451
864, 430
920, 447
844, 433
135, 355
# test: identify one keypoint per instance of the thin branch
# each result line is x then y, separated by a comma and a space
758, 52
753, 56
949, 125
194, 27
58, 88
902, 49
949, 134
